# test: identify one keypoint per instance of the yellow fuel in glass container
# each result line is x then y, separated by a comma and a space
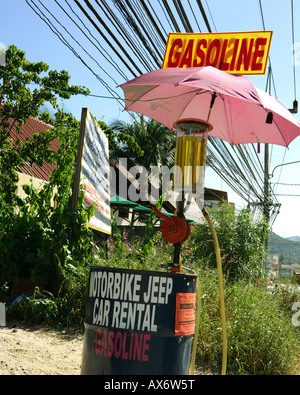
190, 156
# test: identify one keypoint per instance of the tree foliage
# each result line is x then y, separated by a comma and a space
156, 142
241, 239
19, 101
38, 234
117, 139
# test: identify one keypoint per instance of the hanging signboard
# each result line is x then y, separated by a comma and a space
94, 171
236, 53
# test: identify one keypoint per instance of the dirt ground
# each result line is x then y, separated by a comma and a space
30, 350
26, 350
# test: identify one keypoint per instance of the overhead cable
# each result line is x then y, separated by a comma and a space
204, 15
42, 16
132, 35
109, 42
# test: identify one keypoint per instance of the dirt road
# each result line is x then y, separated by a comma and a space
29, 350
26, 350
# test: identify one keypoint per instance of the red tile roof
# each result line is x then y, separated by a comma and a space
34, 125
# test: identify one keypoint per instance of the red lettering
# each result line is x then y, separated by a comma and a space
245, 54
124, 353
111, 343
145, 357
200, 53
187, 55
236, 45
175, 55
103, 343
240, 53
97, 342
137, 350
118, 348
89, 201
118, 345
258, 53
93, 191
224, 66
214, 49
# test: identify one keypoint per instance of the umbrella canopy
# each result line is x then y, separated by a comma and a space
236, 109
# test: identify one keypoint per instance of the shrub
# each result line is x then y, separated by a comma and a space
261, 338
65, 309
241, 240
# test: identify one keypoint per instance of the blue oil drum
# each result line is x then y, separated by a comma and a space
138, 322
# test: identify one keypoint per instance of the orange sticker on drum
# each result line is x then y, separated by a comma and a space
185, 314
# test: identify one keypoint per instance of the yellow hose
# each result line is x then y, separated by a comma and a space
221, 289
197, 322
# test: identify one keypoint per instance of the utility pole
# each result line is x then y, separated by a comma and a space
266, 201
266, 186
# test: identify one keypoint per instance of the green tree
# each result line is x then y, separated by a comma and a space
241, 239
19, 101
119, 138
37, 238
156, 141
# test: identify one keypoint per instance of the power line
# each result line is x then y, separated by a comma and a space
278, 194
196, 19
144, 32
154, 20
284, 183
112, 35
202, 10
140, 29
104, 97
262, 15
211, 17
184, 19
42, 16
99, 47
73, 36
171, 16
138, 51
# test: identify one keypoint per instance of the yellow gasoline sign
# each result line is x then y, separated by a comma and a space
237, 53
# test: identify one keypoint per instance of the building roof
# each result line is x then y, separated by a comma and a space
32, 126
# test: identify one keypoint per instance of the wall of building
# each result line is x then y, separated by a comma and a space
25, 179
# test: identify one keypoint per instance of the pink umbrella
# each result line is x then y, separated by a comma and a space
238, 111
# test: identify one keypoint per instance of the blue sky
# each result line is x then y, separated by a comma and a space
22, 27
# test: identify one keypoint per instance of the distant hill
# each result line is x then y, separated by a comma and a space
288, 247
294, 238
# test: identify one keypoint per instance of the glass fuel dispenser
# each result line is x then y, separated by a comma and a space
190, 158
190, 155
